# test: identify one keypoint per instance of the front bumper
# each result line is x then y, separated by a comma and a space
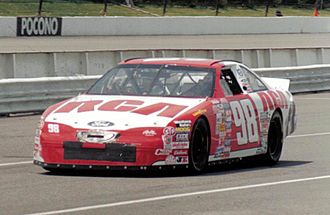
51, 166
133, 149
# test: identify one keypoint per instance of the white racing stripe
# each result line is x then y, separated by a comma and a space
309, 135
137, 201
16, 163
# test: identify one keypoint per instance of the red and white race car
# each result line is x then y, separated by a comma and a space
168, 112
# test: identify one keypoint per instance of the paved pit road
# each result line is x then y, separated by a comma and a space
300, 184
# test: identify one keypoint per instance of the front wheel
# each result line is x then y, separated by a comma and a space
275, 140
199, 147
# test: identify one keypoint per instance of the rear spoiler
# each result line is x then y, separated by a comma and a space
277, 83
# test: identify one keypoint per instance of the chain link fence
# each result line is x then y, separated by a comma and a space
138, 7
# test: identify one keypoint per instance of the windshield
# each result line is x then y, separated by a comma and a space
156, 80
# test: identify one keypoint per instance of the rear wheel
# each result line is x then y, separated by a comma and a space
199, 147
275, 140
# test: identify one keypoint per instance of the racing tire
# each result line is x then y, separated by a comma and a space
275, 140
199, 147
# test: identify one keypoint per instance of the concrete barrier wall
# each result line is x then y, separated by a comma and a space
7, 26
74, 26
57, 64
89, 26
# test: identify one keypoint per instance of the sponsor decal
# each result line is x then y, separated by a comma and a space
167, 138
244, 81
100, 124
199, 112
218, 108
218, 152
182, 137
228, 126
222, 140
222, 129
167, 141
149, 133
182, 130
183, 123
225, 155
39, 26
264, 140
180, 145
259, 151
170, 160
169, 131
163, 152
240, 72
264, 122
228, 142
133, 106
37, 141
228, 115
180, 152
37, 153
182, 160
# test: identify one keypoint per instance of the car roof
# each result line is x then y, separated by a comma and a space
197, 62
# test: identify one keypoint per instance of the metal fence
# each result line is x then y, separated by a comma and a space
138, 7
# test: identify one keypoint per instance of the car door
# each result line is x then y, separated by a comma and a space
237, 119
265, 100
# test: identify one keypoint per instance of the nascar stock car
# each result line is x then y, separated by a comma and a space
168, 112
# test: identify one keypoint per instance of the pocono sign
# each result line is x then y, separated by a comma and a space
39, 26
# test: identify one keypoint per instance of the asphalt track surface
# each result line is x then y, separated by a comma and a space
106, 43
299, 184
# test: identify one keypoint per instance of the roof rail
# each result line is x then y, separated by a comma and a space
214, 62
234, 61
133, 58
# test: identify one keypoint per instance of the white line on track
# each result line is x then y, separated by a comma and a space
309, 135
16, 163
137, 201
312, 98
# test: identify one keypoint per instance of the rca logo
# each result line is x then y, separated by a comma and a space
134, 106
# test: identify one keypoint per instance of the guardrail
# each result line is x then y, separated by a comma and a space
58, 64
36, 94
311, 78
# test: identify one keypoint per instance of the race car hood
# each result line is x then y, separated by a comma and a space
120, 112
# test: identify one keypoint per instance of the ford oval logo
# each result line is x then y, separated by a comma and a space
100, 124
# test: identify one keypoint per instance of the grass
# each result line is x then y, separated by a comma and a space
7, 8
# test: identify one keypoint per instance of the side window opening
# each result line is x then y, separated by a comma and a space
254, 82
229, 83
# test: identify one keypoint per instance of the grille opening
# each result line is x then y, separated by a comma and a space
95, 136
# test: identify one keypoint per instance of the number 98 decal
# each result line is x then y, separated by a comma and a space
245, 118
